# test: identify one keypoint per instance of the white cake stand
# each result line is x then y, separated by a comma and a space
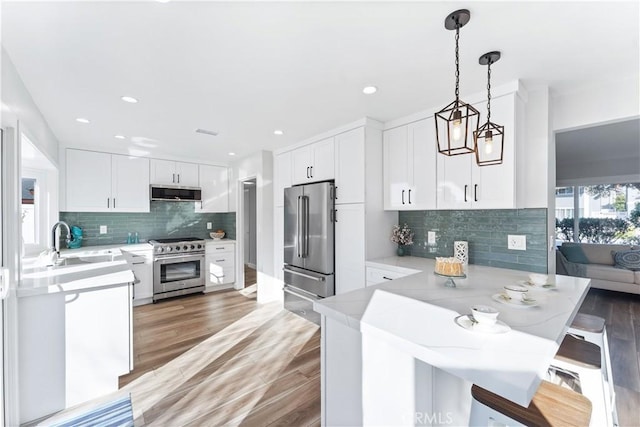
450, 282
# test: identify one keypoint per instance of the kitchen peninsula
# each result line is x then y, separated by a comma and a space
392, 353
75, 335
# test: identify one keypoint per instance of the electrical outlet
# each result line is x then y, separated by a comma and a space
517, 242
209, 226
431, 237
103, 229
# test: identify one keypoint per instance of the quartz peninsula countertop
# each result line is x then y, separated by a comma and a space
38, 279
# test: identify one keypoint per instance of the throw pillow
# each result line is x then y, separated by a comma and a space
627, 259
574, 253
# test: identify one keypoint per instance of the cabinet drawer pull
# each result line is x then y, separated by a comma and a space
387, 278
219, 248
220, 260
465, 192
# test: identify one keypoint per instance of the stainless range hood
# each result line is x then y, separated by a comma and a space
175, 193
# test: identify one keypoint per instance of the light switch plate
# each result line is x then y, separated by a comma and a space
103, 229
209, 226
517, 242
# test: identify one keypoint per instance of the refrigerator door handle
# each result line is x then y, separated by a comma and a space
308, 276
305, 225
298, 227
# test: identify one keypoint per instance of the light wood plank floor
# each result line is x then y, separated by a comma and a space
222, 359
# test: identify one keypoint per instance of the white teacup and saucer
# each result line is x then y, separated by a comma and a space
483, 318
515, 296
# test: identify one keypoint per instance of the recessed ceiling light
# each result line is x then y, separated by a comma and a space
278, 132
231, 153
129, 99
369, 90
82, 120
119, 136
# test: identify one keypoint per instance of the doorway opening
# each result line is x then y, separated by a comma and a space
250, 232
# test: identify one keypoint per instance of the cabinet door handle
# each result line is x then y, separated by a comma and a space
308, 172
409, 196
178, 178
475, 192
335, 216
108, 201
311, 171
114, 203
173, 179
465, 193
403, 197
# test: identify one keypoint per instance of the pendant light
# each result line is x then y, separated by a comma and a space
456, 122
489, 138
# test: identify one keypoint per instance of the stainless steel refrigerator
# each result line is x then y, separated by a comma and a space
309, 215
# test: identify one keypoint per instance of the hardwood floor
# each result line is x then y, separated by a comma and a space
250, 276
222, 359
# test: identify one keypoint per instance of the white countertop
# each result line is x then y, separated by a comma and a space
417, 312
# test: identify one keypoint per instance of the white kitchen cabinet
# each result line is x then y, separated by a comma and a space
313, 162
350, 166
350, 247
168, 172
214, 182
462, 184
220, 262
141, 261
410, 166
102, 182
282, 170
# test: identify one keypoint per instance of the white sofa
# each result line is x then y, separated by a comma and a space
596, 261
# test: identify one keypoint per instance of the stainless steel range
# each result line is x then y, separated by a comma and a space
178, 267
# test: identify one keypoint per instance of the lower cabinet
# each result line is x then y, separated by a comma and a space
141, 262
220, 262
350, 250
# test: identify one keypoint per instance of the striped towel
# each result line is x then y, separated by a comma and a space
113, 414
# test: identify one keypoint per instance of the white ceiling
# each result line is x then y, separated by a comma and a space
244, 69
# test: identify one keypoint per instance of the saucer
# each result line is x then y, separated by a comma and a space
497, 328
544, 287
514, 303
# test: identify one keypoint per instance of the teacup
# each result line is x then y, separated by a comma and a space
538, 279
516, 292
484, 314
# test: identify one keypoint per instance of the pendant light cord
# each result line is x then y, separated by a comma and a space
457, 63
489, 91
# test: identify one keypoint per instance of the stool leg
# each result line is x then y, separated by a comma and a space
483, 416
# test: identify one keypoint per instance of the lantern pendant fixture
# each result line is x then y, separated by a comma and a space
456, 122
489, 138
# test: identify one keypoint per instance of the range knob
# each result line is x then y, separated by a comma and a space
185, 247
199, 246
192, 247
177, 248
160, 249
169, 249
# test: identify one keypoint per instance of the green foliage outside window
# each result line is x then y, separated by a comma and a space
599, 230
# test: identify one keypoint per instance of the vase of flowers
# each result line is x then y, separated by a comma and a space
402, 236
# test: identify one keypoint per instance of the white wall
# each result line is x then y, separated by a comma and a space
606, 101
260, 167
17, 105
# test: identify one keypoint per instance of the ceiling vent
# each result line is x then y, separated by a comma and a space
207, 132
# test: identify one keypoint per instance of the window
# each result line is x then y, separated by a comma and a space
608, 213
28, 207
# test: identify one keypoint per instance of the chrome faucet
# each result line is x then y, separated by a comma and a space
55, 243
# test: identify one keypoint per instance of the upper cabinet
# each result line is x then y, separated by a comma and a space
410, 166
102, 182
462, 184
350, 166
167, 172
282, 176
214, 181
313, 162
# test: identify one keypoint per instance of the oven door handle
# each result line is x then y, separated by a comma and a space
308, 276
199, 256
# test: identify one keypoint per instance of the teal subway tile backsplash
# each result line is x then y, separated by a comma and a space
486, 231
166, 219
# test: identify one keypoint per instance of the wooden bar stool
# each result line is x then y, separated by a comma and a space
584, 359
552, 405
592, 328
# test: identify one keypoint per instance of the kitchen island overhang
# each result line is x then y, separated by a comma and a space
411, 321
